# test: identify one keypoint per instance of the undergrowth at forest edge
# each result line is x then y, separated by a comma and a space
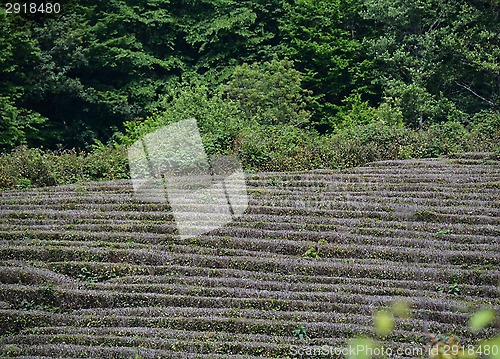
31, 167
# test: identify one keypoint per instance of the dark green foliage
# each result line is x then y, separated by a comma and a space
300, 332
452, 289
18, 55
220, 33
321, 37
94, 66
100, 66
435, 59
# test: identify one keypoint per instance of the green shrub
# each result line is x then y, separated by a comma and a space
452, 289
375, 141
218, 119
485, 131
446, 138
312, 252
367, 134
282, 148
26, 167
357, 112
105, 162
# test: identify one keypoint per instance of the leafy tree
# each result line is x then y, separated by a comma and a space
219, 121
18, 52
97, 70
269, 93
104, 63
435, 58
77, 76
219, 33
321, 37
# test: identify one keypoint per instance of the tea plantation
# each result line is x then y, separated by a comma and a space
89, 271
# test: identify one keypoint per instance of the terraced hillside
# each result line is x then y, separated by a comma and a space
89, 271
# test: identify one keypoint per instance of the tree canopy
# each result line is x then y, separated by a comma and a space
77, 76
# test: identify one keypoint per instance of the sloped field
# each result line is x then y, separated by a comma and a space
88, 271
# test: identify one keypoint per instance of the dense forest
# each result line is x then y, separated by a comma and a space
265, 79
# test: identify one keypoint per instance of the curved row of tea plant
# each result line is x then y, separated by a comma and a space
87, 270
